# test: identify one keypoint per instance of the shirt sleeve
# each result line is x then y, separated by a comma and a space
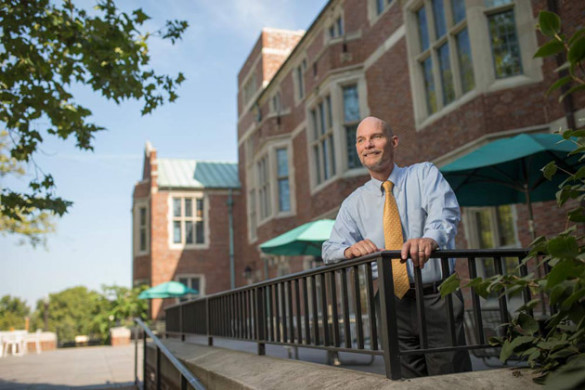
344, 234
443, 213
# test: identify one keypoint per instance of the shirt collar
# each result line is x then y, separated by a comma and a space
396, 177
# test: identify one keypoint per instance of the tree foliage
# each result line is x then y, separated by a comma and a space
49, 47
13, 312
554, 346
31, 224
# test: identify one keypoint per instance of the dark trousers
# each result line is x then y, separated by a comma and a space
438, 335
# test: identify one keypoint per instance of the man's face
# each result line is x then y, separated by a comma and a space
375, 147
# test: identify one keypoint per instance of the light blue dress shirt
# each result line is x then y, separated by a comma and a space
427, 206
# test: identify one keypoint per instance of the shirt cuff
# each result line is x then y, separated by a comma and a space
436, 236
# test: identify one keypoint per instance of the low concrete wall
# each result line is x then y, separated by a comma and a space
219, 368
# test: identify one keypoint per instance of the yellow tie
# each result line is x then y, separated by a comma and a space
393, 239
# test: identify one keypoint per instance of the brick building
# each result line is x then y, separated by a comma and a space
448, 75
181, 224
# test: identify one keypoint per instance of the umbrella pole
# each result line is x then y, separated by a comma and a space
533, 237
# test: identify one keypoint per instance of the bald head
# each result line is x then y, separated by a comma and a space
375, 144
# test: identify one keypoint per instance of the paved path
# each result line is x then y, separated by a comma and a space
71, 368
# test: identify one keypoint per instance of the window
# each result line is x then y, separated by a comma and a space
381, 5
351, 118
263, 187
282, 179
336, 29
142, 229
194, 282
299, 79
275, 103
252, 215
322, 145
443, 51
503, 37
493, 227
249, 89
187, 221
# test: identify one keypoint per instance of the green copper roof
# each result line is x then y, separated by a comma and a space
179, 173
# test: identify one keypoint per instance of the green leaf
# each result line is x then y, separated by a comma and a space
563, 247
559, 83
549, 170
510, 347
577, 51
527, 323
574, 89
550, 48
570, 376
450, 285
549, 23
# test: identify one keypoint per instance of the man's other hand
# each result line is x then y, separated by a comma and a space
419, 250
361, 248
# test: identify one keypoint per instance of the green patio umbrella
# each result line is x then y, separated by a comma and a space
302, 240
167, 290
508, 171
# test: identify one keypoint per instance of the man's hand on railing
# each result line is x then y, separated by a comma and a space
361, 248
419, 250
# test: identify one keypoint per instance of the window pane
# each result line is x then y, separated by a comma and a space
465, 64
506, 225
423, 32
188, 207
427, 69
200, 236
332, 154
283, 195
177, 232
439, 15
321, 119
446, 74
325, 159
484, 229
379, 6
282, 161
185, 281
188, 232
340, 26
505, 47
329, 117
315, 124
317, 163
332, 31
351, 106
300, 82
142, 216
200, 208
352, 157
195, 284
176, 207
143, 239
458, 7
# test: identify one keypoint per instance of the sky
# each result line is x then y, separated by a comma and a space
92, 244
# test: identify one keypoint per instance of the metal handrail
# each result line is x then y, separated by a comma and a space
285, 310
186, 376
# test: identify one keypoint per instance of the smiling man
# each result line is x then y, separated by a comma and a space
412, 209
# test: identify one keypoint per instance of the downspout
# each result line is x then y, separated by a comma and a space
230, 204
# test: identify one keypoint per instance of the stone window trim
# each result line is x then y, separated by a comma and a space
476, 22
298, 76
190, 276
141, 204
333, 87
268, 151
195, 195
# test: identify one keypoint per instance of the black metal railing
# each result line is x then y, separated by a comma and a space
333, 308
187, 379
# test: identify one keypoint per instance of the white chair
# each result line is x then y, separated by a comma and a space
36, 337
1, 344
14, 341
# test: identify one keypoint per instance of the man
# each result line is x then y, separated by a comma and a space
429, 215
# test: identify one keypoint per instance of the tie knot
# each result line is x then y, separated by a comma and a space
388, 185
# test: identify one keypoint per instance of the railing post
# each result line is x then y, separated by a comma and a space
144, 360
388, 323
181, 322
136, 356
208, 323
158, 373
260, 331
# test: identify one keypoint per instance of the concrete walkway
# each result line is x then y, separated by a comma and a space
72, 368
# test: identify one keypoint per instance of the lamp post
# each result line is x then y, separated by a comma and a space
46, 313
